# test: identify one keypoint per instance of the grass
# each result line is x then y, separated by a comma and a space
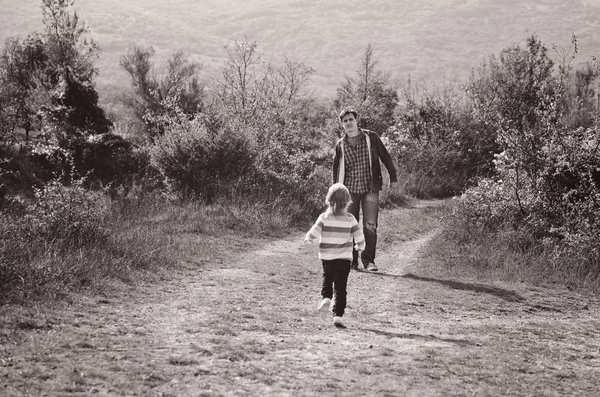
509, 255
152, 237
145, 241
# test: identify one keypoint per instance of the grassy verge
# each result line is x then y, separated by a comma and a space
142, 241
507, 255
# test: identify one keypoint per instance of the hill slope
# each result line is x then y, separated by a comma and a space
431, 40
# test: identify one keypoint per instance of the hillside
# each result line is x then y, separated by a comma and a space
431, 40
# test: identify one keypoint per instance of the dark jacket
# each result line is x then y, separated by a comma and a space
377, 151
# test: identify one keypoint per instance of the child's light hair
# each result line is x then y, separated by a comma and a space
338, 199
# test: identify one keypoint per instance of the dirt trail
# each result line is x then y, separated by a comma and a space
249, 327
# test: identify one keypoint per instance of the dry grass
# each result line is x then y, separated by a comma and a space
146, 240
510, 256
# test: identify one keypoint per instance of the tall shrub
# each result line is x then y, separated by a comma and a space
196, 162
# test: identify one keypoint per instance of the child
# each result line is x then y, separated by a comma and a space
336, 229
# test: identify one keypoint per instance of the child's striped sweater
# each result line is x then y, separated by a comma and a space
336, 233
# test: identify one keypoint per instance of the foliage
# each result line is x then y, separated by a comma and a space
60, 218
370, 93
49, 77
196, 162
180, 86
110, 160
23, 83
251, 93
438, 146
71, 215
546, 186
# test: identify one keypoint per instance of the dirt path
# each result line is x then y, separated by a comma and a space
249, 327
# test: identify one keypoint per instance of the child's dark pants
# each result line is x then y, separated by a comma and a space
335, 278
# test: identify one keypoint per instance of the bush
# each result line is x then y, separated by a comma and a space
109, 159
69, 215
549, 222
25, 166
440, 148
197, 163
59, 220
297, 180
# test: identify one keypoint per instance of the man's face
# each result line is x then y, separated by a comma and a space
349, 123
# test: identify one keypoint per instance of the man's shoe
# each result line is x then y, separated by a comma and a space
370, 267
337, 321
325, 304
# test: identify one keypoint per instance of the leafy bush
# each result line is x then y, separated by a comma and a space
109, 159
541, 205
60, 219
440, 148
197, 163
69, 215
297, 180
24, 166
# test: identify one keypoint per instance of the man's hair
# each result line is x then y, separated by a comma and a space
348, 110
338, 199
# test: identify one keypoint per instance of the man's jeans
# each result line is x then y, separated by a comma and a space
370, 211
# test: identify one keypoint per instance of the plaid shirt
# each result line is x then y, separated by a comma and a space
358, 169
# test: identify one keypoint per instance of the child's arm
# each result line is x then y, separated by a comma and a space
315, 231
359, 238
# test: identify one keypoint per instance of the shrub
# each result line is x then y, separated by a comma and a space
69, 215
109, 159
440, 147
196, 163
57, 222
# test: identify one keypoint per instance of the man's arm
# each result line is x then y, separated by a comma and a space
336, 164
386, 159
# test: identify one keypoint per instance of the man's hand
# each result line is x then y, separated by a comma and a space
395, 187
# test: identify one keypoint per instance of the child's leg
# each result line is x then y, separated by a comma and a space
327, 284
340, 280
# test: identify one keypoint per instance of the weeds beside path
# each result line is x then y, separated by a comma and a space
248, 326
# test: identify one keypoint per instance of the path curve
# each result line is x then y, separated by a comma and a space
249, 326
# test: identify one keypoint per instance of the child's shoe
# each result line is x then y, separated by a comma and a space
337, 321
325, 304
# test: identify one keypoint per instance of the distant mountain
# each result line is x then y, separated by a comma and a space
430, 40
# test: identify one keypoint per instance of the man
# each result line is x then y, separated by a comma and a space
356, 165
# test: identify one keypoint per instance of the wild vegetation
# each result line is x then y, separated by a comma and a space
86, 198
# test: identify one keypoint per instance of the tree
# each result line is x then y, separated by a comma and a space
52, 74
236, 81
371, 93
294, 76
153, 95
23, 82
249, 92
518, 95
71, 66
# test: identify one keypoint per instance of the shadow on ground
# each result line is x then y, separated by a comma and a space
509, 296
461, 342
